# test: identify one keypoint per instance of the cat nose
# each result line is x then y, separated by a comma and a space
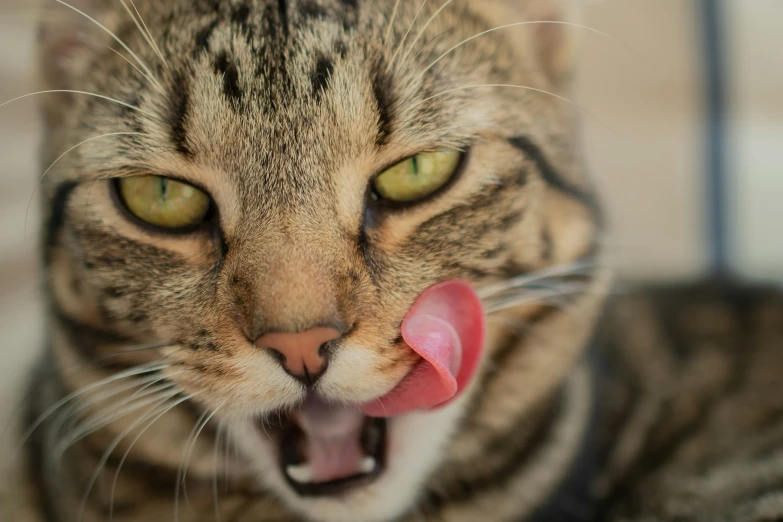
303, 355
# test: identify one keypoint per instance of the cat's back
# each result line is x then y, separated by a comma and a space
693, 399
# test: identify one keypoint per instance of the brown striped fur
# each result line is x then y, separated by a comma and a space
283, 110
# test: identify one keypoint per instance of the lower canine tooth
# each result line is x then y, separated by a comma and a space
367, 465
302, 474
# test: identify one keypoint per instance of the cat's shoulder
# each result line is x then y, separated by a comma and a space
693, 396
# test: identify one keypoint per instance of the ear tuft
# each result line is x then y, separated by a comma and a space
552, 45
554, 42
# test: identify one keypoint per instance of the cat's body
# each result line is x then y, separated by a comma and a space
284, 115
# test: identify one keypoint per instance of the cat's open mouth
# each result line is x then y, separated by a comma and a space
329, 449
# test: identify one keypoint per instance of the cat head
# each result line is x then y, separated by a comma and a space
257, 193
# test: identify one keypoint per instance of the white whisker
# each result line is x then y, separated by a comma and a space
218, 438
150, 79
534, 22
200, 425
526, 88
155, 419
110, 33
81, 405
103, 382
96, 424
405, 37
529, 298
421, 32
113, 445
578, 268
145, 30
70, 91
391, 21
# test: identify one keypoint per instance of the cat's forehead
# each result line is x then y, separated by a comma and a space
294, 88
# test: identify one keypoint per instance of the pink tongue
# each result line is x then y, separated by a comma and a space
446, 328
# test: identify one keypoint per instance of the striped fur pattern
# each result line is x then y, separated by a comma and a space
152, 402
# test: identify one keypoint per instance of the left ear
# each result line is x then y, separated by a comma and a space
553, 44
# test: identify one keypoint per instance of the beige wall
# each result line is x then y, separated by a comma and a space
649, 166
20, 328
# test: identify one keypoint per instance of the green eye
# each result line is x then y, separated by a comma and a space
418, 176
163, 202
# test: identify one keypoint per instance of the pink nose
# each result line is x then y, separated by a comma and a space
301, 354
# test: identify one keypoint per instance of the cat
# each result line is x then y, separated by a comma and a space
247, 202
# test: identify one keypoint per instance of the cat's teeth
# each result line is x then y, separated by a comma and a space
367, 465
301, 474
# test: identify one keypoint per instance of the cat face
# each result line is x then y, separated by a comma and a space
254, 174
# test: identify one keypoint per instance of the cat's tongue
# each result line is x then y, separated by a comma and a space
446, 328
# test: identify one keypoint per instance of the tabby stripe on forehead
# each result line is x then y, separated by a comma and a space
551, 176
227, 68
324, 68
56, 220
382, 88
180, 105
282, 9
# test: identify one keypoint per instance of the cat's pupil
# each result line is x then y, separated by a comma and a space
164, 188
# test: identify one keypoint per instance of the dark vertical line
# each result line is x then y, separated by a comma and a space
716, 142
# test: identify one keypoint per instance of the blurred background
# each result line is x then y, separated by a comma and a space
690, 171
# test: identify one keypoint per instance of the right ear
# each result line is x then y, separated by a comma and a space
68, 41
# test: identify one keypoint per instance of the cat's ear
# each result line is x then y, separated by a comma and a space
67, 42
555, 43
552, 44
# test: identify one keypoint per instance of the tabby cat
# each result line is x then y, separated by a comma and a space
246, 198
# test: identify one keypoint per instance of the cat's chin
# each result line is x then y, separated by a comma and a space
332, 463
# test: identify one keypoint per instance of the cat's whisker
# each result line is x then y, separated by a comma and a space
88, 402
131, 372
425, 44
145, 32
180, 480
113, 445
71, 91
110, 33
536, 22
150, 79
40, 180
526, 88
577, 268
528, 298
405, 37
423, 29
127, 453
204, 423
215, 473
391, 21
115, 414
145, 347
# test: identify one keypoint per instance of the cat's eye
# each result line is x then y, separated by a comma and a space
418, 176
164, 202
